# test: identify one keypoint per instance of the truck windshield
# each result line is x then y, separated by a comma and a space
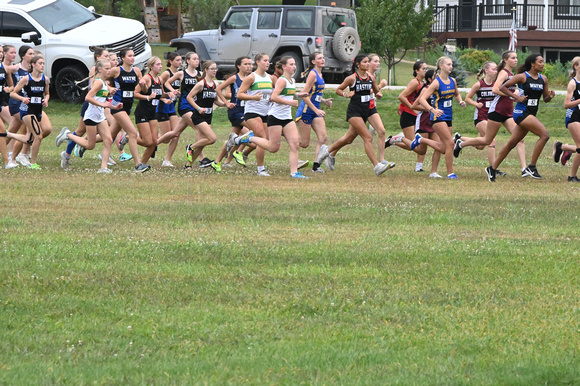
62, 16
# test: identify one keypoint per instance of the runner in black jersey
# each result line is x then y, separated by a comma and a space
5, 87
126, 78
35, 89
571, 103
202, 98
533, 86
167, 114
362, 94
149, 93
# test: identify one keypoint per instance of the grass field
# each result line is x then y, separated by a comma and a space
177, 277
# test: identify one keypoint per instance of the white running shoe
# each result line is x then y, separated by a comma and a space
322, 154
330, 161
11, 165
398, 138
64, 161
263, 173
167, 164
62, 136
380, 168
230, 143
110, 162
303, 164
390, 165
22, 159
435, 175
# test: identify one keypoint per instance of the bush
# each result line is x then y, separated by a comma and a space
473, 59
557, 73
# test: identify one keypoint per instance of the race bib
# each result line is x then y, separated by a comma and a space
488, 104
447, 103
532, 102
0, 88
208, 110
158, 91
155, 102
318, 98
242, 103
366, 98
127, 94
36, 100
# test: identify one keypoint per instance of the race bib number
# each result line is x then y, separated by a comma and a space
155, 102
208, 110
318, 98
366, 98
532, 102
447, 103
158, 91
242, 103
127, 94
488, 104
36, 100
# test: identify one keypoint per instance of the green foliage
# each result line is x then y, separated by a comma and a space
128, 8
391, 27
557, 73
473, 59
459, 72
206, 14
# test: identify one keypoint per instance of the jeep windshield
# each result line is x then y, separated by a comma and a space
331, 22
62, 16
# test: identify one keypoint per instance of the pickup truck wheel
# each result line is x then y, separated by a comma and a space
69, 86
299, 64
346, 44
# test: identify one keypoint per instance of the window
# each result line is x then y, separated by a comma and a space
239, 20
14, 25
269, 19
567, 7
498, 7
331, 23
299, 19
62, 15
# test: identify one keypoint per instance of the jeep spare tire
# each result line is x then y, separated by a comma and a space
346, 44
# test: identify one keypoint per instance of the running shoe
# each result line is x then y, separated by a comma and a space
11, 165
23, 160
303, 164
245, 158
419, 170
64, 160
227, 165
104, 171
110, 161
329, 162
452, 176
322, 154
186, 166
573, 179
416, 141
456, 137
244, 138
125, 157
457, 148
204, 163
216, 166
79, 151
239, 157
435, 175
318, 170
380, 168
398, 138
490, 171
230, 143
62, 136
532, 172
189, 153
142, 168
297, 175
499, 173
565, 157
390, 165
263, 173
34, 167
557, 152
388, 141
167, 164
123, 141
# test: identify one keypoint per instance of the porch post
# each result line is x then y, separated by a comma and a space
546, 15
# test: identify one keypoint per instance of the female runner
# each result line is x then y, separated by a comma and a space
500, 112
35, 96
445, 89
6, 87
361, 109
374, 64
280, 117
309, 114
533, 86
95, 120
166, 114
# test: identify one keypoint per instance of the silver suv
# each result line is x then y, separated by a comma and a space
278, 31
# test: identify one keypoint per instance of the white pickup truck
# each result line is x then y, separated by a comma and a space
65, 31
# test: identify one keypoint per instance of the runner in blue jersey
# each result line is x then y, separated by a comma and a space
309, 115
167, 114
444, 89
533, 86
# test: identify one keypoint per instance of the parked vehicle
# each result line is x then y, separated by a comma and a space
64, 32
278, 31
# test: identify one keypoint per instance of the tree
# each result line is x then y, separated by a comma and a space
392, 27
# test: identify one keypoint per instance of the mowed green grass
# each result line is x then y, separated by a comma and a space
179, 277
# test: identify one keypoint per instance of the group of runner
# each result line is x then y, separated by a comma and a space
260, 105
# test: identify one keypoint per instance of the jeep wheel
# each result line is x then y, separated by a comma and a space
299, 64
68, 85
346, 44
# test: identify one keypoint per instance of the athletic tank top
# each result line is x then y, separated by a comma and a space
444, 100
534, 90
3, 74
315, 94
484, 96
502, 104
16, 76
262, 84
206, 97
575, 111
282, 111
187, 84
234, 88
35, 91
97, 113
154, 92
411, 98
125, 84
363, 93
